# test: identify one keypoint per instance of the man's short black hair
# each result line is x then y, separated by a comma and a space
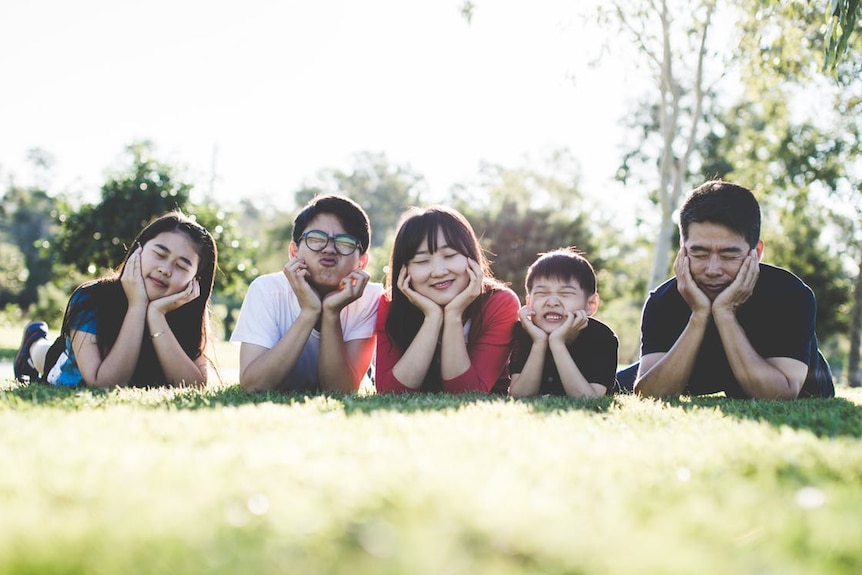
723, 203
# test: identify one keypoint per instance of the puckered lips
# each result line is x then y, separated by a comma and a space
328, 261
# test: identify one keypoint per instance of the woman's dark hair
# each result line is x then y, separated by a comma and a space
189, 323
415, 227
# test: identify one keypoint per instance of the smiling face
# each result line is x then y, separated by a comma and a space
715, 254
441, 275
327, 268
169, 261
552, 299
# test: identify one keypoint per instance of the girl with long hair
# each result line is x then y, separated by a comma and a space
445, 324
146, 324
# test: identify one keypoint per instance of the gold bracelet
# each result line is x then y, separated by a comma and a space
157, 334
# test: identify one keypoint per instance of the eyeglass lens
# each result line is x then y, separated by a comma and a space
317, 240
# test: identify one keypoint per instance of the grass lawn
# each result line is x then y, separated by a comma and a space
218, 481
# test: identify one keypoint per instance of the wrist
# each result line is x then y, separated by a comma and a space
723, 313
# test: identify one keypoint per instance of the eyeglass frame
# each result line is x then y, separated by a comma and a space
334, 239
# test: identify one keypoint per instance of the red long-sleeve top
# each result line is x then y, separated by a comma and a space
489, 352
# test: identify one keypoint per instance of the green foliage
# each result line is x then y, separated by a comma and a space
236, 260
842, 24
797, 246
785, 162
53, 295
97, 236
519, 213
28, 222
425, 484
384, 191
13, 273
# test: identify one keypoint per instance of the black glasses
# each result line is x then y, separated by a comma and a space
317, 240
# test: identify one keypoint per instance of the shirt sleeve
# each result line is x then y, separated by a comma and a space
600, 366
362, 323
257, 322
489, 354
81, 315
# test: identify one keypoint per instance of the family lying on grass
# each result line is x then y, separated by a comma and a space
724, 322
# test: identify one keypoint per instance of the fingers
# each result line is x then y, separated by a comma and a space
477, 275
403, 281
354, 283
295, 269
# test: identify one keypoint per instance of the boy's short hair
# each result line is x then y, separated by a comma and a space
723, 203
349, 213
563, 264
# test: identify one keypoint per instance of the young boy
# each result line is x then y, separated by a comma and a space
310, 327
559, 349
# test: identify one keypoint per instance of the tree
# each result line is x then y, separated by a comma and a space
842, 15
383, 190
97, 236
673, 42
519, 213
29, 222
798, 152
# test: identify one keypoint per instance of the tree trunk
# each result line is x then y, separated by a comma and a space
661, 259
854, 376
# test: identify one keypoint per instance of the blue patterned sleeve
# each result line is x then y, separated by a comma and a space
82, 311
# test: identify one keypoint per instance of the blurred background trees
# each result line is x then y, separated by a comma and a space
763, 93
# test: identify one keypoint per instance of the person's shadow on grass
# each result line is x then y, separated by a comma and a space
824, 417
36, 394
833, 417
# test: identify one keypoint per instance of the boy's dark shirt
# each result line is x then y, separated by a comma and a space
594, 352
778, 320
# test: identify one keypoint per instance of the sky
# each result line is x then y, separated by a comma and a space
266, 93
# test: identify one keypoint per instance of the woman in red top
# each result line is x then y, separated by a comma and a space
445, 324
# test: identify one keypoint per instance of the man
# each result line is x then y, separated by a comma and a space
310, 326
727, 322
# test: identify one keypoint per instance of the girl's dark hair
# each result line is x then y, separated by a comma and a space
189, 323
415, 227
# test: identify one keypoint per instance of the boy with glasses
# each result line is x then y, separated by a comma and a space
310, 327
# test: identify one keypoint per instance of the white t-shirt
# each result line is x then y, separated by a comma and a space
269, 309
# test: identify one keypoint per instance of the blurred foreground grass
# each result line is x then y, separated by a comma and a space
218, 481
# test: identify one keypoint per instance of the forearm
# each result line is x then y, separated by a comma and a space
412, 367
118, 366
454, 358
574, 382
757, 377
335, 368
179, 368
670, 374
529, 381
267, 370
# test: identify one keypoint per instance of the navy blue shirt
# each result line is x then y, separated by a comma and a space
594, 352
778, 320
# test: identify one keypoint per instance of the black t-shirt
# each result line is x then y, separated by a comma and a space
594, 352
778, 320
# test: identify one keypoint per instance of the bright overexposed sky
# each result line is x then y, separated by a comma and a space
269, 92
